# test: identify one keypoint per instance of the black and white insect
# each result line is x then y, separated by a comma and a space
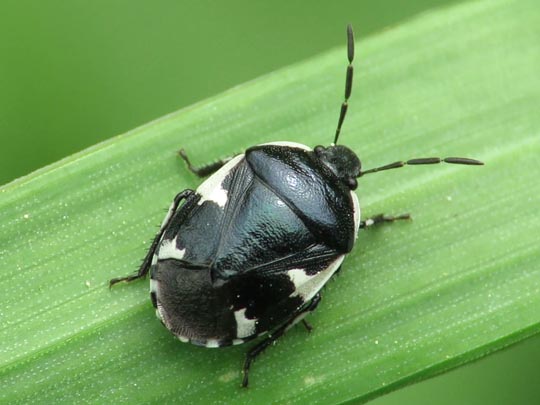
247, 253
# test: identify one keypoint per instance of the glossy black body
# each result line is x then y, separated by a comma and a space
284, 210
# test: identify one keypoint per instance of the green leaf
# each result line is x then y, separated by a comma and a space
413, 299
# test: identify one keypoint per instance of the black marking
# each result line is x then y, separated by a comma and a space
309, 188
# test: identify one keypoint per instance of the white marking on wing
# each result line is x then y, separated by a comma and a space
244, 327
169, 250
307, 286
212, 343
301, 282
183, 339
212, 188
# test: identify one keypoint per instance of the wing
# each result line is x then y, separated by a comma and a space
258, 260
259, 229
267, 296
235, 223
241, 221
196, 229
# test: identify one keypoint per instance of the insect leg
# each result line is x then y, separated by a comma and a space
145, 266
276, 334
205, 170
307, 325
380, 218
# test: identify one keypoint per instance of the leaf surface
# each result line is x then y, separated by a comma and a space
413, 300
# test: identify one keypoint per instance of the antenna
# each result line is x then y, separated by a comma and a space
348, 81
424, 161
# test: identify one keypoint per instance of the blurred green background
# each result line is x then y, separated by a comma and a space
75, 73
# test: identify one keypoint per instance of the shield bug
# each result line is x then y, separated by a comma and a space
247, 253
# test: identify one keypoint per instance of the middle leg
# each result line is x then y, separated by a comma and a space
145, 266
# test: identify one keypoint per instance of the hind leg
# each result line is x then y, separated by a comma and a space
255, 351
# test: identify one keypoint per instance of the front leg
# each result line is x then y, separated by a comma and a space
205, 170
